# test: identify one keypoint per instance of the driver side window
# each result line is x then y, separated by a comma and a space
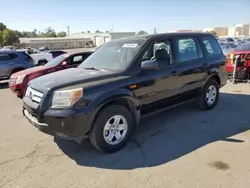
159, 51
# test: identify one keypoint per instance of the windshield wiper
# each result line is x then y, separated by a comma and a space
91, 68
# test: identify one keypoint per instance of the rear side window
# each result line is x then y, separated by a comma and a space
78, 59
13, 56
211, 45
186, 50
7, 57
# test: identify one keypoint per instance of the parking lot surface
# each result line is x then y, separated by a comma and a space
182, 148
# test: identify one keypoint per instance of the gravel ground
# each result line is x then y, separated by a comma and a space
180, 148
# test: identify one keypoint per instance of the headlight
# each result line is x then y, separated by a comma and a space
20, 79
66, 98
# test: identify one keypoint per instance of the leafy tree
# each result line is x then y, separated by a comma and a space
48, 32
9, 37
2, 26
97, 31
61, 34
1, 38
141, 33
214, 33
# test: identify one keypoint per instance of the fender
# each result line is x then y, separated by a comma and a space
212, 72
112, 95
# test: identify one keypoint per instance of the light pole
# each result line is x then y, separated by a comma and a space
68, 29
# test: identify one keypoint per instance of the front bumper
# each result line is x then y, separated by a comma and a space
17, 89
62, 123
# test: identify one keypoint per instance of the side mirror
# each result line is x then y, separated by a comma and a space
64, 64
149, 65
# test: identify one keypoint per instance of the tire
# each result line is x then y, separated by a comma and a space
16, 70
99, 130
42, 62
203, 102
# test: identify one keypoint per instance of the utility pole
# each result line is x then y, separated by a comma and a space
68, 29
155, 31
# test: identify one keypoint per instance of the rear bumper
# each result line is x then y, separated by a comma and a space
229, 69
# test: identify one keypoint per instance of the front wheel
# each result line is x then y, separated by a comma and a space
209, 95
112, 128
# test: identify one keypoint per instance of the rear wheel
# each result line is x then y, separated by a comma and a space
42, 62
112, 128
209, 95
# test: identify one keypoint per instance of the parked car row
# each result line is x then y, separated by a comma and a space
12, 61
242, 50
19, 80
123, 80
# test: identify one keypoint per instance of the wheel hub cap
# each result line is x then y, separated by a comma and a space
115, 130
211, 95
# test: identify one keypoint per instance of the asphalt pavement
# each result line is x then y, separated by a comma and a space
181, 148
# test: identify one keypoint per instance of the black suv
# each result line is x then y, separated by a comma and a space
123, 80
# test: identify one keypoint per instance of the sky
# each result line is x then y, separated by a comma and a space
122, 15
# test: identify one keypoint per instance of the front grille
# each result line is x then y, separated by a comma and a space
34, 95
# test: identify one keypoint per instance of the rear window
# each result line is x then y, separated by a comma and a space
243, 47
211, 45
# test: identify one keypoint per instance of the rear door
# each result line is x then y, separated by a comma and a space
190, 71
215, 59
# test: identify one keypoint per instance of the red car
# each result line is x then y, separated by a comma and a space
242, 50
19, 81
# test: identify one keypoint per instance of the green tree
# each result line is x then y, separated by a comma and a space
48, 32
214, 33
9, 37
2, 26
1, 39
141, 33
61, 34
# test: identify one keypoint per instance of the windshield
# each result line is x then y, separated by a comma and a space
243, 47
56, 60
115, 55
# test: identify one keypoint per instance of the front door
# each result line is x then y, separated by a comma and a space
157, 85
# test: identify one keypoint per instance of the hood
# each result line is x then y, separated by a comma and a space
66, 78
29, 71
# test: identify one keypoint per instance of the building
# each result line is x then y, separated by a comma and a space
221, 31
55, 43
77, 40
239, 30
185, 30
101, 38
188, 30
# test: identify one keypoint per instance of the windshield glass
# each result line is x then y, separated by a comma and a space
114, 56
56, 60
243, 47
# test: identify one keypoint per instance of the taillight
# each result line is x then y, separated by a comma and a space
30, 59
230, 58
